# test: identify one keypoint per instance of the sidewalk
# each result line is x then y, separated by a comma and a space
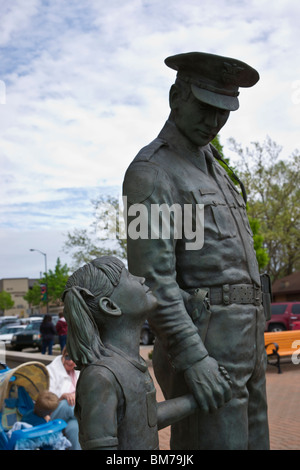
283, 392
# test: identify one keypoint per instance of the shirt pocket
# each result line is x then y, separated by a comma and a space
217, 214
241, 206
223, 219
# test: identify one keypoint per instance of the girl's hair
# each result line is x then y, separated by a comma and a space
81, 297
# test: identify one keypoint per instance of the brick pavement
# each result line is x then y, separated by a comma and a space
283, 392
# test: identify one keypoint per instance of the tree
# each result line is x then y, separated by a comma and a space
105, 237
273, 199
6, 301
227, 166
55, 282
258, 239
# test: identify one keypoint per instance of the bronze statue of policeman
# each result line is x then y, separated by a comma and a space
210, 320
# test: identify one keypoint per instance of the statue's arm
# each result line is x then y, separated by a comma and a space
155, 259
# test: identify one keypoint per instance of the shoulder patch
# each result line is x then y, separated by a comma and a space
139, 182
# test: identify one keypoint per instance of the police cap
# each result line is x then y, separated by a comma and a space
214, 79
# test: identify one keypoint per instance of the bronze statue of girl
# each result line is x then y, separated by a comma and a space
116, 408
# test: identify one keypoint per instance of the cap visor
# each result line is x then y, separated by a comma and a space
229, 103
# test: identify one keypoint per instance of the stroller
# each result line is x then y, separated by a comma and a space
19, 389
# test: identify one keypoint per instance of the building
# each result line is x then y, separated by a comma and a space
287, 289
18, 287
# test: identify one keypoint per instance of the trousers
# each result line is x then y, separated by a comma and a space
235, 339
66, 412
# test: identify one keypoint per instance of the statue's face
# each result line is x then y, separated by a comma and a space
198, 121
133, 296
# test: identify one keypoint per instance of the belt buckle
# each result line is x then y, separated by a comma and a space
242, 294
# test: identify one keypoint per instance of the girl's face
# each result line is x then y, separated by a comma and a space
133, 296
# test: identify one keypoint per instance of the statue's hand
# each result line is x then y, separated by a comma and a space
209, 383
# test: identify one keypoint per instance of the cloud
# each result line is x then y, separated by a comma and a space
86, 88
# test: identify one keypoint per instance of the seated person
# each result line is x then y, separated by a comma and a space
63, 379
44, 406
105, 307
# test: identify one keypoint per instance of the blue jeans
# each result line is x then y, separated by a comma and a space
47, 343
62, 341
66, 412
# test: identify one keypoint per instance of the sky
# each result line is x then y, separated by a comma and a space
83, 86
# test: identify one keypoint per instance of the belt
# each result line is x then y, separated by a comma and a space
234, 294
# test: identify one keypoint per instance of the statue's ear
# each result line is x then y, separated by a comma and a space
174, 97
108, 307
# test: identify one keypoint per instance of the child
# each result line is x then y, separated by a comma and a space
45, 404
116, 408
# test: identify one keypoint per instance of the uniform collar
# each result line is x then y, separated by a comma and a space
181, 145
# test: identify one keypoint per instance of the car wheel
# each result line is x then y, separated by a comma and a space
276, 327
145, 337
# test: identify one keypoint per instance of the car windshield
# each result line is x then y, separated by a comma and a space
10, 329
34, 325
6, 324
278, 309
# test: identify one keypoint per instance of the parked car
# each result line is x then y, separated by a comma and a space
27, 320
8, 330
147, 335
8, 319
283, 315
30, 337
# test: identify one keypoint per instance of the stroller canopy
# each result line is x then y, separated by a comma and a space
33, 376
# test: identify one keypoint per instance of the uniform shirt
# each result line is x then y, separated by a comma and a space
171, 171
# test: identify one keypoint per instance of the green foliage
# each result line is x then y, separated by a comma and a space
258, 239
6, 301
273, 199
55, 281
227, 166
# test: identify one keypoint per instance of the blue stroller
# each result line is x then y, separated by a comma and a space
19, 389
